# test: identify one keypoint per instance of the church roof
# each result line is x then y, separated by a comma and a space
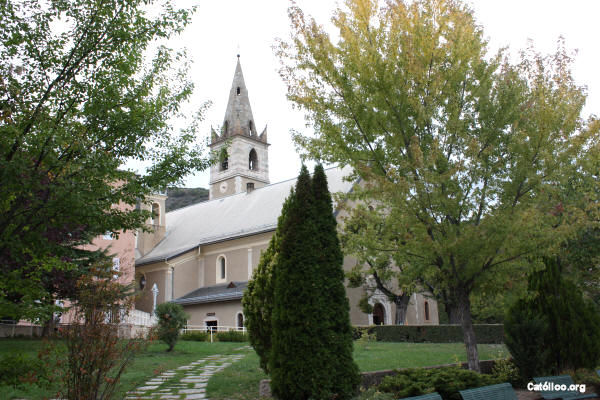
211, 294
231, 217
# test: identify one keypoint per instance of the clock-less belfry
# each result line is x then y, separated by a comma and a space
246, 165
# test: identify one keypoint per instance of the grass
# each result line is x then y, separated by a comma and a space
241, 379
153, 361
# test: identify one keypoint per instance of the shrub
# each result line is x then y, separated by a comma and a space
95, 355
565, 328
232, 336
486, 333
18, 370
171, 320
525, 339
505, 370
374, 394
195, 336
446, 381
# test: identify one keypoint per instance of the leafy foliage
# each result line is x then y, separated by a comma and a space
96, 356
311, 354
18, 370
171, 319
553, 329
78, 99
463, 157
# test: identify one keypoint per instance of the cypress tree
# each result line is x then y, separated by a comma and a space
258, 297
294, 360
336, 332
311, 355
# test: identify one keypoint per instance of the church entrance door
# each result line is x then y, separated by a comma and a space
378, 314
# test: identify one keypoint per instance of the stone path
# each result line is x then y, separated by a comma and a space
186, 382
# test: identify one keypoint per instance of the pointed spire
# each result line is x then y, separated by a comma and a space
263, 135
238, 115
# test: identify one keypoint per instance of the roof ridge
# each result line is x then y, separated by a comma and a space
243, 193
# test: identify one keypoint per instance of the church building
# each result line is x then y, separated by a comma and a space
203, 255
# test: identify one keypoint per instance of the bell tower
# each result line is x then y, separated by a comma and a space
246, 165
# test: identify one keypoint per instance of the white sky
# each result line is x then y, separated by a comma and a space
219, 28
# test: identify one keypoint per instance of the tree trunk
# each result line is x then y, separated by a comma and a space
452, 309
468, 332
454, 313
401, 307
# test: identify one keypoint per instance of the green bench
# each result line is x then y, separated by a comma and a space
429, 396
502, 391
561, 394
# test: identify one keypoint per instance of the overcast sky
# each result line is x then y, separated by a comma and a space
220, 28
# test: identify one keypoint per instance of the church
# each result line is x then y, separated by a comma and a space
203, 255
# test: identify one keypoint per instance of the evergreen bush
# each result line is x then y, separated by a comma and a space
171, 320
554, 328
446, 381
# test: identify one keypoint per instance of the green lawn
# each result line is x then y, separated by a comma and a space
151, 362
240, 380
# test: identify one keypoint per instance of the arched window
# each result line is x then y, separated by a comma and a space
252, 160
378, 314
240, 320
238, 91
426, 311
225, 162
250, 127
155, 214
221, 269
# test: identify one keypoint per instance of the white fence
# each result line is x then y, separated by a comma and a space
212, 329
218, 328
140, 318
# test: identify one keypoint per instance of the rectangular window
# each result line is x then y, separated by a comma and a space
107, 236
116, 266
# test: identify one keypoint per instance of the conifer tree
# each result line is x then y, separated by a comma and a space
258, 298
311, 355
337, 362
566, 326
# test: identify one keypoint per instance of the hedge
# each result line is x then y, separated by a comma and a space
485, 333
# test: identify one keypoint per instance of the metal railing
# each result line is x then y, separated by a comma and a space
213, 329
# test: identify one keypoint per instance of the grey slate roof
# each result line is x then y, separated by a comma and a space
230, 217
211, 294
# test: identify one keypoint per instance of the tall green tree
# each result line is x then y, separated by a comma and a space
311, 354
335, 329
258, 298
78, 99
462, 150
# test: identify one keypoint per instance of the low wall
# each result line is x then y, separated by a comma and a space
15, 330
372, 378
129, 331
